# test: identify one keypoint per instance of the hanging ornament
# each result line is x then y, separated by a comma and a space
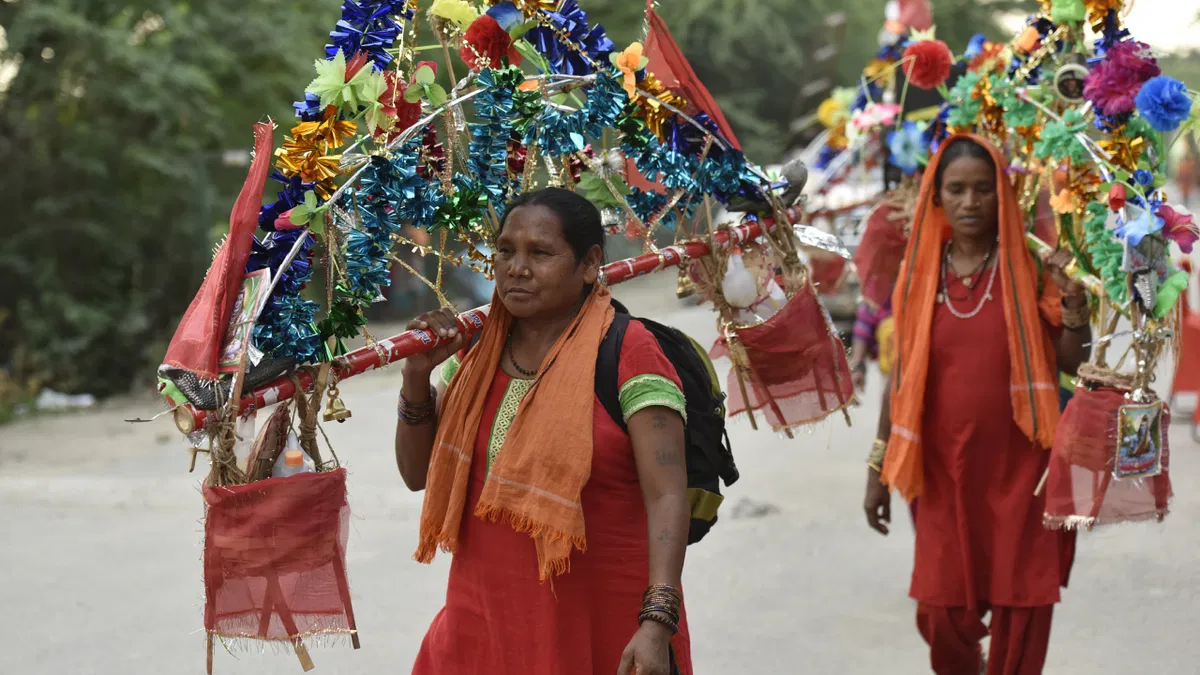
1069, 78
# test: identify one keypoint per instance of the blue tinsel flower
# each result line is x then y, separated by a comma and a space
825, 158
1164, 103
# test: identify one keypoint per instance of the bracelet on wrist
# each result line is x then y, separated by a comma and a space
417, 414
878, 452
661, 604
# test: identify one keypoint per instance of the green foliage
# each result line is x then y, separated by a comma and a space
113, 128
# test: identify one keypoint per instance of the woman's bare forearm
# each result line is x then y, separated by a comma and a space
414, 443
884, 431
658, 448
1073, 349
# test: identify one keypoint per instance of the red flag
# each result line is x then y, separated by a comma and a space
916, 14
197, 343
671, 67
667, 62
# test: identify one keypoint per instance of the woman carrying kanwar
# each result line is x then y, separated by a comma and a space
568, 533
971, 415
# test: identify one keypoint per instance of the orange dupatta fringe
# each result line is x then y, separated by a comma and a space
1034, 374
536, 480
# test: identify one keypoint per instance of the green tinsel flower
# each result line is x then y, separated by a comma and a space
1059, 139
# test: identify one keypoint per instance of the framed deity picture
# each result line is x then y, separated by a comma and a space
1139, 440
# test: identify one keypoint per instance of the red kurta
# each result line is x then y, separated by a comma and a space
499, 619
980, 540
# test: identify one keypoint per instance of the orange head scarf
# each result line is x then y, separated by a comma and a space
1034, 375
536, 480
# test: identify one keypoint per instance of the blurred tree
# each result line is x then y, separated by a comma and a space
1184, 66
115, 122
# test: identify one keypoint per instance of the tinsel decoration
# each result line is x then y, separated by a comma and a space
433, 155
285, 328
367, 26
558, 133
571, 46
490, 135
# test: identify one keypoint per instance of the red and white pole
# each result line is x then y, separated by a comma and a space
399, 347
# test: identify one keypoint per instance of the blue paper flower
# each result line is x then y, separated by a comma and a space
1143, 177
1137, 229
907, 148
310, 109
507, 15
1164, 103
975, 46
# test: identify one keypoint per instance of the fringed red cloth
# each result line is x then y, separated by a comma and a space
827, 271
795, 368
1187, 356
197, 343
1082, 488
275, 559
878, 256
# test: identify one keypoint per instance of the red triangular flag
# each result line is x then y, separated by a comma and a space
671, 67
197, 343
666, 61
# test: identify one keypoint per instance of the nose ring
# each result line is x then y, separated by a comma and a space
526, 273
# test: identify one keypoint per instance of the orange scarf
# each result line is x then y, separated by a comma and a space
1034, 375
536, 480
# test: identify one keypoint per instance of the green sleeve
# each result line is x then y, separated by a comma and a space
647, 391
449, 369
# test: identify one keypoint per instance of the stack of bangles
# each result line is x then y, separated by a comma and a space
417, 414
1076, 318
875, 459
661, 604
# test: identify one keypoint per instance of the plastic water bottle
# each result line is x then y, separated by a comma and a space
292, 460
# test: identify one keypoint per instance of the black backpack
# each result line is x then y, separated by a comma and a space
708, 454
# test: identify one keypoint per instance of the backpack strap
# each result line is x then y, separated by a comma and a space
608, 360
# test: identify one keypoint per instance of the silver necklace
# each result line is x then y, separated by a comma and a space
945, 293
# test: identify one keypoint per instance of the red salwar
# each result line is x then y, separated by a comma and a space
980, 543
499, 619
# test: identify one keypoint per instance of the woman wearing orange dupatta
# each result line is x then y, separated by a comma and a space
971, 416
513, 458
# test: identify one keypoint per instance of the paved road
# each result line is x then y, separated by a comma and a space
102, 555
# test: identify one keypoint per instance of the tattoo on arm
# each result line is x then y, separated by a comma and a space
668, 456
667, 537
660, 421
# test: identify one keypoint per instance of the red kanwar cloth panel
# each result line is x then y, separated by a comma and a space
798, 367
1080, 488
196, 345
879, 254
275, 558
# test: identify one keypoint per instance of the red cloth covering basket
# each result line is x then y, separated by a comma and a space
1081, 490
796, 371
275, 560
